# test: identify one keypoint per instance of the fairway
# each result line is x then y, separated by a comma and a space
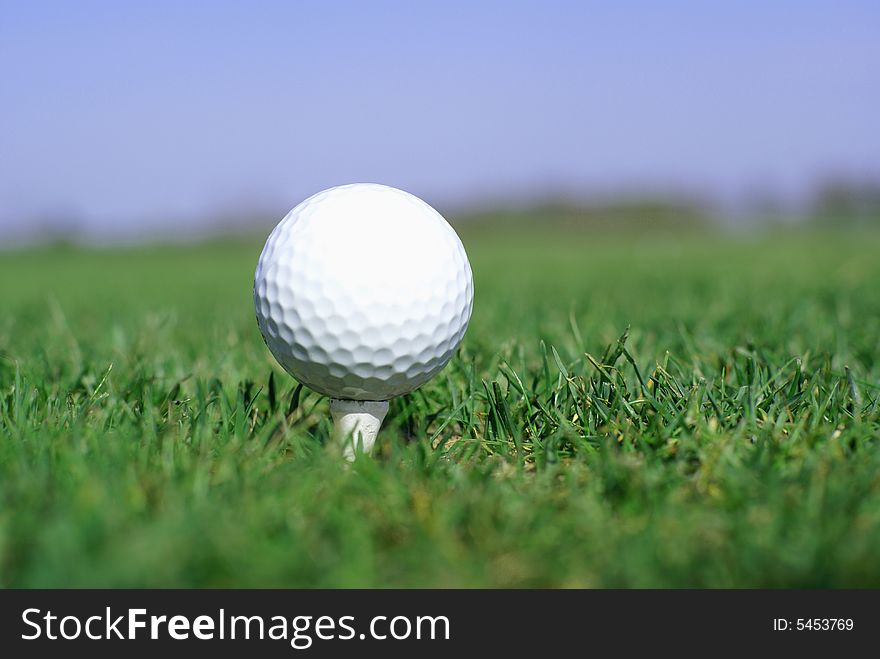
663, 410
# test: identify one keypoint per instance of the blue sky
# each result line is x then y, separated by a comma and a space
125, 115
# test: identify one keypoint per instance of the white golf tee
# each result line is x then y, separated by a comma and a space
356, 424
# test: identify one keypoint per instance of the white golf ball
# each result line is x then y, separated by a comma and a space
363, 292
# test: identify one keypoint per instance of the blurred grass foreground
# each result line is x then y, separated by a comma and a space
633, 408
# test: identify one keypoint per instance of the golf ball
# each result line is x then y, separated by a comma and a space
363, 292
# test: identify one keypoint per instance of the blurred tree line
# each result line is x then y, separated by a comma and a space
620, 215
847, 202
835, 203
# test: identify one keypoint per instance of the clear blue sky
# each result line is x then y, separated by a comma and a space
125, 113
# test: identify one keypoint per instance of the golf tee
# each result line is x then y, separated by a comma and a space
356, 424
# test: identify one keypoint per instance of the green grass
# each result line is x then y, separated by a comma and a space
657, 411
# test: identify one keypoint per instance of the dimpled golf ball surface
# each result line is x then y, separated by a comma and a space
363, 292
